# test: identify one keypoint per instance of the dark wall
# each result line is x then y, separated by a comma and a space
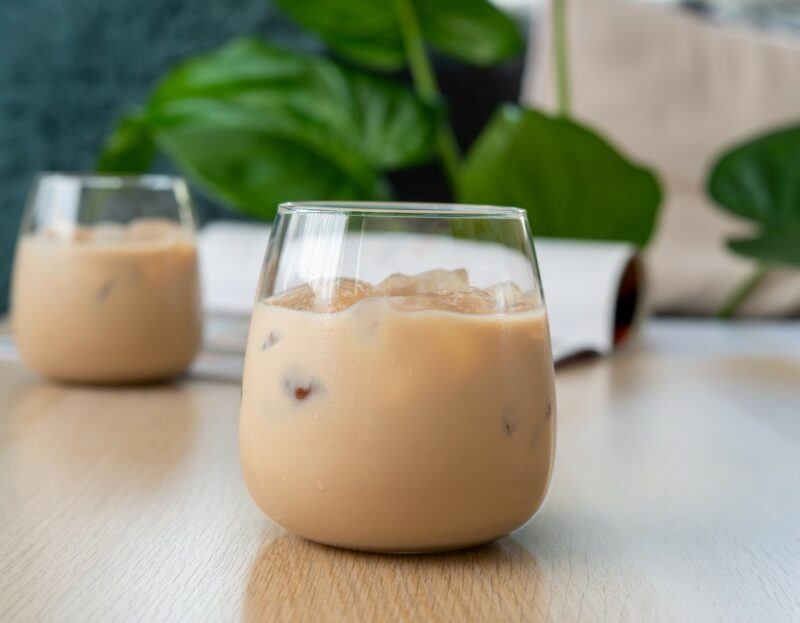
68, 68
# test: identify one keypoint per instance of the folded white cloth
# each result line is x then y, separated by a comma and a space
581, 280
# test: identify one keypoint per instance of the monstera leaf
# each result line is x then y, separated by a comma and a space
129, 149
572, 182
759, 181
255, 125
369, 31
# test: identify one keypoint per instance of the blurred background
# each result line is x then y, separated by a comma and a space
644, 73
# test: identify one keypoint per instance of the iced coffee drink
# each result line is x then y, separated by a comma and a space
107, 303
415, 414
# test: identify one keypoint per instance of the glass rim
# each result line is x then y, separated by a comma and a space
154, 181
415, 209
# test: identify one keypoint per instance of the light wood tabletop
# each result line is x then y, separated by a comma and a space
676, 497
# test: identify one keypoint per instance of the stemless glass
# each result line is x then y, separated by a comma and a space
398, 386
105, 284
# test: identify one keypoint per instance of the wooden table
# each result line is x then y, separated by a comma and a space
676, 497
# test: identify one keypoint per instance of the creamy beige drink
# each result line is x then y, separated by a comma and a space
107, 303
413, 416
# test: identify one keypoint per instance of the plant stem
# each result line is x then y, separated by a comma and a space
560, 57
426, 86
742, 291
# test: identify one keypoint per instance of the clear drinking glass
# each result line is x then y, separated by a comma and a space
105, 284
398, 386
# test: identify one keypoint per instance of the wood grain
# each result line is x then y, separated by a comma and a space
675, 497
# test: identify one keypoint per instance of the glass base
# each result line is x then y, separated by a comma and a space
411, 551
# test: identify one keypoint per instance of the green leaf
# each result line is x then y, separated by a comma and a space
255, 125
364, 31
571, 181
379, 54
342, 114
771, 246
394, 129
475, 31
129, 149
759, 180
368, 31
239, 168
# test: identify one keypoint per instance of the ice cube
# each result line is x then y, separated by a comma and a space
152, 229
367, 315
299, 385
65, 232
301, 298
327, 295
437, 280
509, 297
506, 291
469, 301
270, 340
107, 232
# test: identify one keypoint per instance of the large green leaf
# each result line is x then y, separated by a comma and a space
759, 180
364, 31
571, 181
368, 31
255, 125
475, 31
239, 168
780, 245
343, 113
129, 149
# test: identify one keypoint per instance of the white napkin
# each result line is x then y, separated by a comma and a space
581, 280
